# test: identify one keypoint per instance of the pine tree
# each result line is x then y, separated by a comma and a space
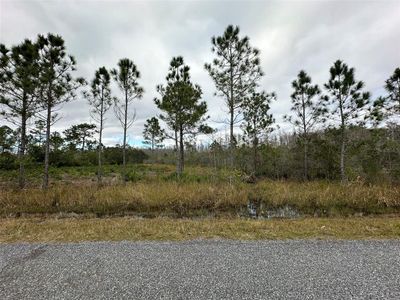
7, 139
100, 99
257, 119
39, 132
19, 91
235, 72
307, 111
56, 141
180, 102
126, 76
79, 135
56, 83
153, 134
348, 103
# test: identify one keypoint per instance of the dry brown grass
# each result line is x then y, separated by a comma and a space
133, 229
333, 197
169, 198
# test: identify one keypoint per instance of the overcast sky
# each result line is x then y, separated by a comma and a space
292, 35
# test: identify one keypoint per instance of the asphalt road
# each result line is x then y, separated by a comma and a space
202, 270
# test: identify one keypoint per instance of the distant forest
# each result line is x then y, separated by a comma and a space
340, 131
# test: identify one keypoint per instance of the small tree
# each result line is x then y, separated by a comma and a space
57, 84
56, 141
307, 112
80, 135
180, 101
235, 72
153, 134
257, 119
100, 99
39, 132
348, 103
126, 76
216, 150
7, 139
19, 91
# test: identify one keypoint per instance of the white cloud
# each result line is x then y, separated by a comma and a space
291, 35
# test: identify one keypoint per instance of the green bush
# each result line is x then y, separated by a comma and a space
8, 161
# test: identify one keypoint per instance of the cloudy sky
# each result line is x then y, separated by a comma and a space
292, 35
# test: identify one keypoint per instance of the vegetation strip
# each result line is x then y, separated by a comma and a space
134, 229
193, 199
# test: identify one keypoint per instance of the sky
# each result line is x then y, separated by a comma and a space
291, 35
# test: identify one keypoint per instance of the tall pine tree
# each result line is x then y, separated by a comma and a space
184, 113
100, 99
56, 83
348, 103
235, 71
307, 111
258, 120
126, 76
19, 89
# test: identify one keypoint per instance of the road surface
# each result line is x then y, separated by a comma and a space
202, 270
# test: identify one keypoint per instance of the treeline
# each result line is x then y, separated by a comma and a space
75, 146
38, 76
373, 155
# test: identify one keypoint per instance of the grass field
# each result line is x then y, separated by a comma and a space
133, 229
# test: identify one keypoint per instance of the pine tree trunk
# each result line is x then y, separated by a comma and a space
47, 147
21, 152
255, 160
343, 142
255, 145
342, 157
231, 135
181, 152
231, 139
124, 147
99, 170
232, 115
177, 152
305, 137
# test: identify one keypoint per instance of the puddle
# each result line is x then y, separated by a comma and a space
286, 212
282, 212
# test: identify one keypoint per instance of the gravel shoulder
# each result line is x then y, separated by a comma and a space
200, 269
